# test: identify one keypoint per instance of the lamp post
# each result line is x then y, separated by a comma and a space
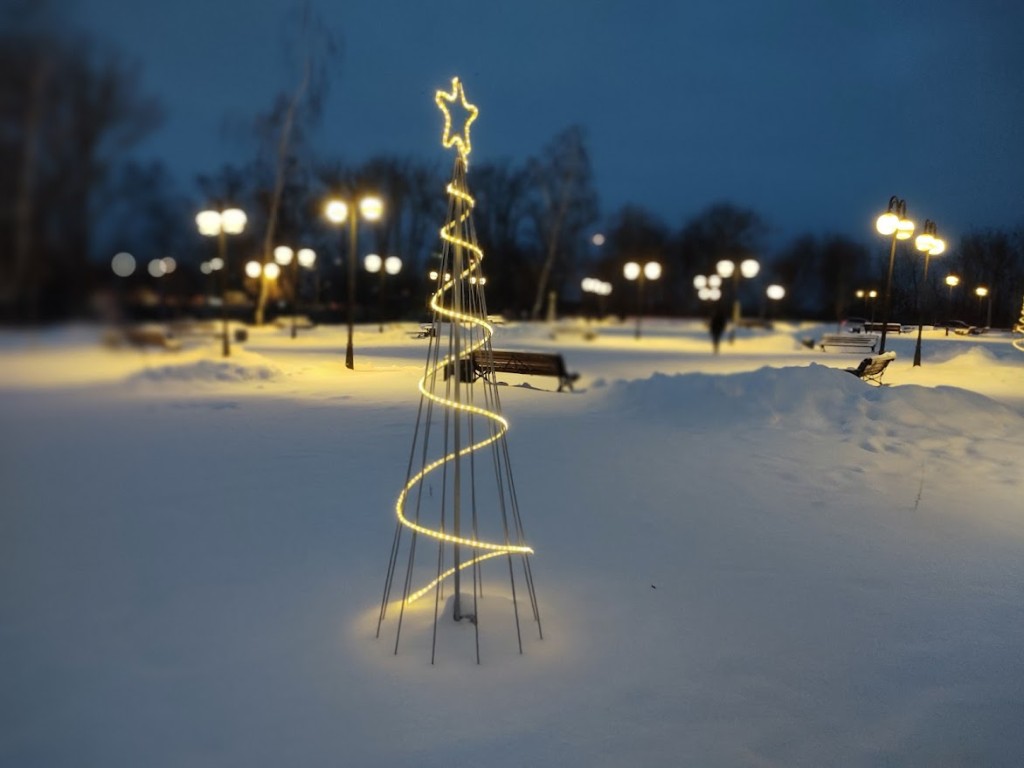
775, 294
952, 281
894, 224
709, 287
633, 271
220, 224
374, 264
306, 258
726, 269
599, 288
338, 211
981, 292
930, 244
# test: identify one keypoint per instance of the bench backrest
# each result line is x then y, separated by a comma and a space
872, 366
521, 362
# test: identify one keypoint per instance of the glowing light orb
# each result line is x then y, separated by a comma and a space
123, 264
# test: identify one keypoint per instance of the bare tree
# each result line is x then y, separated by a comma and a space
566, 203
291, 112
75, 112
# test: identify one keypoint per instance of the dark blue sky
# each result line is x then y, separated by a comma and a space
812, 113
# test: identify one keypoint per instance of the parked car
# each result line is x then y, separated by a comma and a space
958, 326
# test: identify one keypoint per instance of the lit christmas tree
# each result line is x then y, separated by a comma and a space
459, 492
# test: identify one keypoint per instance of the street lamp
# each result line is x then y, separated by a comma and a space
220, 224
930, 244
952, 281
633, 271
599, 288
374, 264
775, 293
981, 292
726, 269
338, 211
306, 258
895, 225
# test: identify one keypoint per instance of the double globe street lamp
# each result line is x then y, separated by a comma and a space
895, 225
305, 258
220, 224
747, 268
338, 211
930, 244
633, 271
374, 264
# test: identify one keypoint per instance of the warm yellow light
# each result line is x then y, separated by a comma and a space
887, 223
924, 242
714, 281
981, 290
872, 294
372, 262
725, 268
459, 140
905, 229
271, 271
208, 223
233, 221
749, 267
859, 294
433, 275
777, 292
631, 270
952, 281
253, 269
216, 263
703, 294
283, 255
371, 208
392, 265
306, 257
652, 270
714, 294
336, 211
700, 281
938, 247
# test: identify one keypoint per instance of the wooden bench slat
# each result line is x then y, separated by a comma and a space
865, 341
872, 368
486, 362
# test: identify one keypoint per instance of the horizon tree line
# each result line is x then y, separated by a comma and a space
75, 111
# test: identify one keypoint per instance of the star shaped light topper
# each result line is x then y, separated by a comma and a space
460, 140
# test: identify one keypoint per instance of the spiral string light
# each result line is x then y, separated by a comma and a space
1019, 329
454, 374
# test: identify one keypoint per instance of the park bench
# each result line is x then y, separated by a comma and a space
587, 332
872, 368
141, 336
877, 327
301, 321
851, 341
484, 362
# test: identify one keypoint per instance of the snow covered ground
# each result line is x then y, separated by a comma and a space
752, 559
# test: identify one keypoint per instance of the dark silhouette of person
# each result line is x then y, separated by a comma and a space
717, 329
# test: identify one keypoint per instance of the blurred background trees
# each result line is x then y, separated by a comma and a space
76, 190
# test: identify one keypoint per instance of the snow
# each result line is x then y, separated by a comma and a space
750, 559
